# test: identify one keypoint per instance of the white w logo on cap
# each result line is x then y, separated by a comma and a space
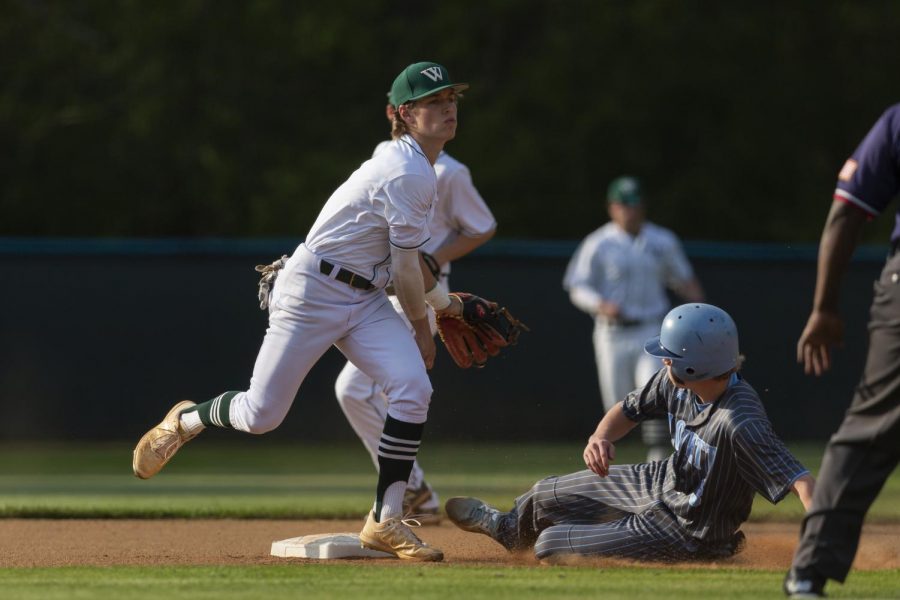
433, 73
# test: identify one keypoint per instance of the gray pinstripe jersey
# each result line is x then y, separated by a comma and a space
725, 452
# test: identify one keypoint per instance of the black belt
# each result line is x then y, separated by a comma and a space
344, 276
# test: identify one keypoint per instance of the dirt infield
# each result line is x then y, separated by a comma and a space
54, 543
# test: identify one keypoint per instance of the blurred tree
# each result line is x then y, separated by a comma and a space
202, 118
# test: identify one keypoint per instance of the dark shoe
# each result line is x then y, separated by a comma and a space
472, 514
803, 585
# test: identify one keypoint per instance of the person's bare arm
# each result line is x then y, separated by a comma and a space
824, 328
600, 450
691, 290
460, 245
409, 285
804, 487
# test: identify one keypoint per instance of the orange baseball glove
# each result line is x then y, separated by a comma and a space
482, 330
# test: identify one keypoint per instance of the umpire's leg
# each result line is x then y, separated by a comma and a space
865, 449
852, 474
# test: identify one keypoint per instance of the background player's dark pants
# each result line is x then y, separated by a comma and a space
864, 450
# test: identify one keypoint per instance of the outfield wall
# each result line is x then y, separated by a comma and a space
100, 337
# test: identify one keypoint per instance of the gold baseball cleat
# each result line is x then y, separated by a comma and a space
394, 536
161, 443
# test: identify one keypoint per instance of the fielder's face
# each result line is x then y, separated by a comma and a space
629, 217
433, 117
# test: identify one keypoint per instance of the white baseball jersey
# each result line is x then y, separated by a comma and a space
388, 200
633, 272
460, 209
463, 212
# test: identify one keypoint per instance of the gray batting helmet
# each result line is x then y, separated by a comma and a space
701, 340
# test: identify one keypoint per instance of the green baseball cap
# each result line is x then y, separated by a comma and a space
419, 80
625, 190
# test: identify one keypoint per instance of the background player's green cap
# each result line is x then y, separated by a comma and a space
419, 80
625, 190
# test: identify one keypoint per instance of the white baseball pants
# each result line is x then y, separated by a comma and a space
623, 366
365, 404
308, 313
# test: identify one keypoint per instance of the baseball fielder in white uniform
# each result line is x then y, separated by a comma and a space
462, 222
619, 275
331, 292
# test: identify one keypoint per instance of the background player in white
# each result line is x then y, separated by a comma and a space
331, 292
619, 275
461, 222
689, 506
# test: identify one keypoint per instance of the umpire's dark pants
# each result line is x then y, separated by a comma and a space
865, 449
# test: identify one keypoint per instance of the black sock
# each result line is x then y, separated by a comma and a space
215, 412
396, 453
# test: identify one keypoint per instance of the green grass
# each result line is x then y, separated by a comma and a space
251, 477
413, 581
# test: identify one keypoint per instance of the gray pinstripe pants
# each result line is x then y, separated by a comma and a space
620, 515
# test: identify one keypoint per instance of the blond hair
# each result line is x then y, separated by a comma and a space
399, 127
